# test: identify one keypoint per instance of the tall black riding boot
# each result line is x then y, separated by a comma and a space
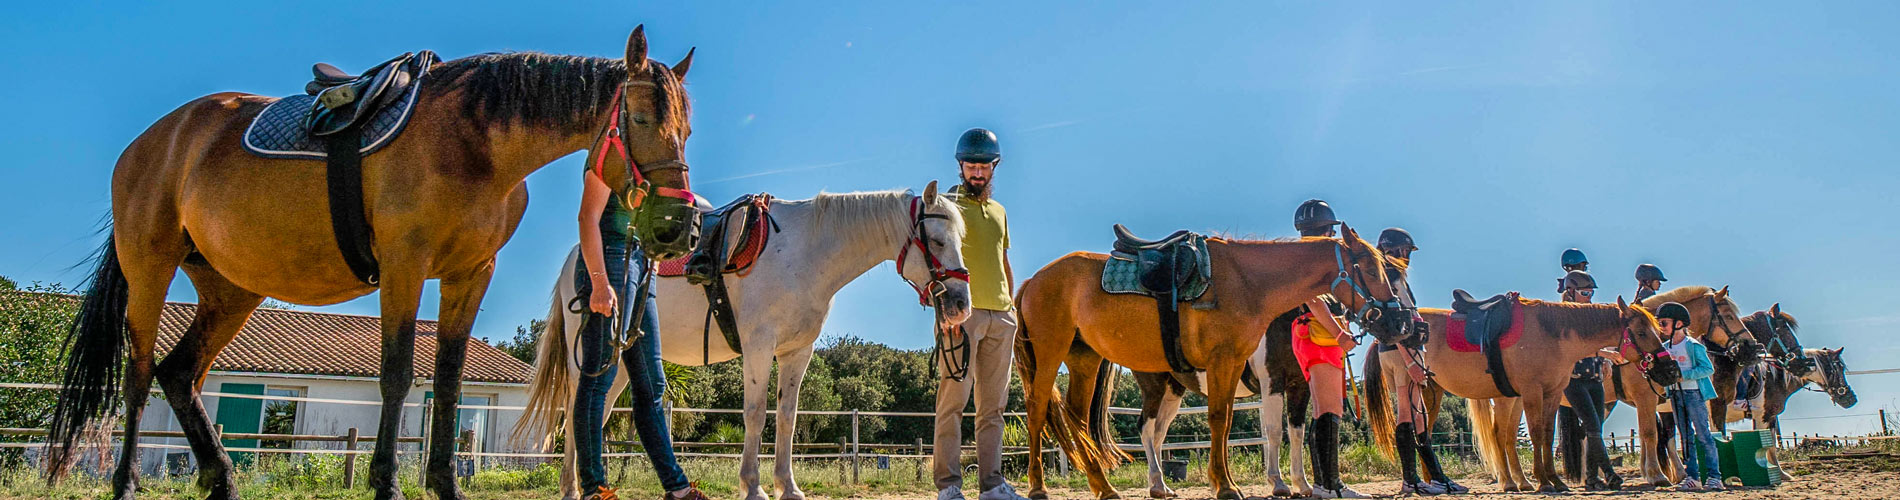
1423, 443
1325, 459
1408, 463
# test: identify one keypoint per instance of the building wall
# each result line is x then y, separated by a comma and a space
336, 419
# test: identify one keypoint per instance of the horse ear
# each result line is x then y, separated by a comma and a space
1775, 309
637, 50
1622, 307
679, 68
1347, 233
1723, 293
930, 192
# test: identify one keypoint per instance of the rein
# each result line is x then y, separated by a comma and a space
619, 336
1646, 361
1370, 309
952, 351
614, 138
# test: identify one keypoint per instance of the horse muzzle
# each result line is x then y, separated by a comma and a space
1664, 374
1748, 350
1845, 399
668, 227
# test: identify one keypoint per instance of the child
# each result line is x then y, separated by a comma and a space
1649, 279
1690, 397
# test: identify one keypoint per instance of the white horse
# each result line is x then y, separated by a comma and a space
825, 243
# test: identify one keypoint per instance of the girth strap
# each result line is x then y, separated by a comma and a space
1170, 312
1494, 363
343, 173
718, 308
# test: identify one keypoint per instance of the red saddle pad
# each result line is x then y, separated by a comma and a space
1455, 333
741, 260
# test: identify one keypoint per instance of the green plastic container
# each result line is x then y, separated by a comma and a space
1744, 456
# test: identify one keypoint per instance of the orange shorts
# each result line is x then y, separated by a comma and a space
1309, 354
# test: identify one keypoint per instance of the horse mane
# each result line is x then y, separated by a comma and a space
1579, 316
562, 92
872, 219
1681, 295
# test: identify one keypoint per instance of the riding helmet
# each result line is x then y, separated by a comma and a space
978, 145
1574, 257
1578, 280
1649, 272
1393, 237
1313, 216
1673, 310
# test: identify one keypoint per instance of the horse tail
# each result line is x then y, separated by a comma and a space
1484, 433
1105, 378
94, 356
1068, 430
548, 391
1378, 411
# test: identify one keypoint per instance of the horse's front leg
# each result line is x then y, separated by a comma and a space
401, 291
461, 300
1221, 379
791, 376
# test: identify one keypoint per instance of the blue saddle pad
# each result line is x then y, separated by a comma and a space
1124, 273
279, 131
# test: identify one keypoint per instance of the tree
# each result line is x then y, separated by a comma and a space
7, 284
523, 344
33, 324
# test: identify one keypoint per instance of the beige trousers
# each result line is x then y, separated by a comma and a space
992, 346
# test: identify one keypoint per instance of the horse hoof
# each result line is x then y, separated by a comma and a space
1553, 488
794, 494
1280, 490
390, 493
1164, 492
1229, 495
1038, 495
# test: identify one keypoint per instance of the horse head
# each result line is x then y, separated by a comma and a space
935, 247
1779, 329
1743, 346
1642, 343
1831, 375
1373, 298
645, 137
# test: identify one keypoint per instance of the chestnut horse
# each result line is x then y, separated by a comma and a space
442, 198
1713, 317
1555, 336
1064, 311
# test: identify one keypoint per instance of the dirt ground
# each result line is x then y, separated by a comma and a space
1831, 480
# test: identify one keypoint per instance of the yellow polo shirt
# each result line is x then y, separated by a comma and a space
985, 237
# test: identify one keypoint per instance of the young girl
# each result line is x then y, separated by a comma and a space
1410, 436
1690, 397
1320, 344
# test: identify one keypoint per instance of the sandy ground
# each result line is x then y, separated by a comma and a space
1817, 480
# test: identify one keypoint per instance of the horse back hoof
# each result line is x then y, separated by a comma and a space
391, 493
1038, 495
1162, 493
1552, 488
1229, 495
1282, 491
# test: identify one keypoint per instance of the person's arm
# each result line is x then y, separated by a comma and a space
1008, 272
1325, 314
1699, 365
594, 194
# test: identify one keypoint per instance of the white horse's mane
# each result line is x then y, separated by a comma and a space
870, 219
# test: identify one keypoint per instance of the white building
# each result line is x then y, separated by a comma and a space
325, 356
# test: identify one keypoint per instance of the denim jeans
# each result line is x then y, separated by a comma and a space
648, 382
1692, 423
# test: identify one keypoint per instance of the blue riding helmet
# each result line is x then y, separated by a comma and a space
1574, 257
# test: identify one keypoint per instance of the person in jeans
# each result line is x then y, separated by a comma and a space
989, 334
607, 249
1691, 396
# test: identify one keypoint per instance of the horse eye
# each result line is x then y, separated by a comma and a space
640, 119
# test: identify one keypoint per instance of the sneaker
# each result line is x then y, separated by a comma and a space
1688, 484
690, 493
602, 493
1713, 484
1425, 488
1342, 492
1000, 492
951, 493
1452, 487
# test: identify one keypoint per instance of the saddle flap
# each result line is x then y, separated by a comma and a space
1177, 267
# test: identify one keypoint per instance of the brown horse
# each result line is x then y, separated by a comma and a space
1778, 328
1713, 317
1555, 335
442, 198
1064, 310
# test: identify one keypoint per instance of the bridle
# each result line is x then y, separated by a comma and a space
615, 138
1734, 339
1371, 310
952, 352
1647, 359
1792, 358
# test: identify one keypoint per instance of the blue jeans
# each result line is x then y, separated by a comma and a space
643, 365
1692, 423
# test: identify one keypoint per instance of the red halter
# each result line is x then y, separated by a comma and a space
612, 140
938, 273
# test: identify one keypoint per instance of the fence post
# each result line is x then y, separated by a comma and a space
1884, 431
921, 462
349, 459
422, 469
467, 445
843, 470
854, 446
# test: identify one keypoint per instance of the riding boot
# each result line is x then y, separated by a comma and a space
1600, 465
1423, 443
1326, 459
1408, 464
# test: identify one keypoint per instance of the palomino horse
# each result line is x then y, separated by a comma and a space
1555, 335
1064, 311
1779, 384
1713, 317
780, 306
1283, 400
443, 197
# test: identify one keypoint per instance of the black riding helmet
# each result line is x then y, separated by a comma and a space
1649, 272
1393, 237
1578, 280
1673, 310
978, 145
1313, 217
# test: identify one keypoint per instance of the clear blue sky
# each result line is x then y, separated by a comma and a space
1748, 145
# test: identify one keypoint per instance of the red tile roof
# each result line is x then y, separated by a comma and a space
313, 343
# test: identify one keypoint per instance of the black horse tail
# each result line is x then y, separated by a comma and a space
94, 356
1105, 378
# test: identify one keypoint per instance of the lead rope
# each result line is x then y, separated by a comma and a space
618, 336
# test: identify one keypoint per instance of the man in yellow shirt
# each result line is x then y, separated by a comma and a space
989, 334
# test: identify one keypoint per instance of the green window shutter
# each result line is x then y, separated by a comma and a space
241, 415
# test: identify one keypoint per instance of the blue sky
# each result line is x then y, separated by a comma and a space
1743, 144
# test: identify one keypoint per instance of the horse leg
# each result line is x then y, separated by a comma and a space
756, 368
1541, 409
145, 300
1506, 414
791, 379
222, 310
461, 300
1222, 377
1038, 364
1272, 413
400, 295
1160, 400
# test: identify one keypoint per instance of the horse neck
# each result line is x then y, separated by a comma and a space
1595, 327
842, 236
512, 150
1280, 275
